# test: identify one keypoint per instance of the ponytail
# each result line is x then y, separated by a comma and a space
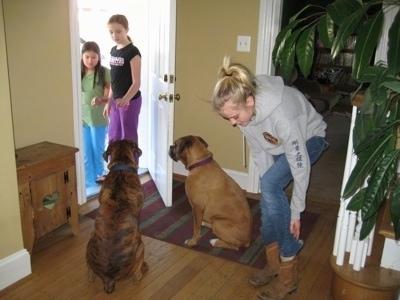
236, 83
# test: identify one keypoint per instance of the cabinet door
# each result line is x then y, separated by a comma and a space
49, 202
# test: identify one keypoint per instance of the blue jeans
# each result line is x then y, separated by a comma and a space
274, 204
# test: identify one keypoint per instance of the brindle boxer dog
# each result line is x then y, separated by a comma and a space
116, 251
217, 200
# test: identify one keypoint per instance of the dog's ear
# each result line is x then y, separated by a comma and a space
134, 147
107, 153
137, 150
202, 141
186, 142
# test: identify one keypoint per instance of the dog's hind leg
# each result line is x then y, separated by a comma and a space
206, 224
140, 266
221, 244
228, 236
91, 275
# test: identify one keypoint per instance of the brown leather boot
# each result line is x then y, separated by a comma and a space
271, 268
284, 284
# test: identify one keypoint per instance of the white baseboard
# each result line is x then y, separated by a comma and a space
14, 268
240, 177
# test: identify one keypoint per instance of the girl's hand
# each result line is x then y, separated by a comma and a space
121, 103
96, 101
106, 111
295, 228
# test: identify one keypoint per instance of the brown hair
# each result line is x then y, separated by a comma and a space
122, 20
236, 83
98, 70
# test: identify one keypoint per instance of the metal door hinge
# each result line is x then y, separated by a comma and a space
66, 177
68, 211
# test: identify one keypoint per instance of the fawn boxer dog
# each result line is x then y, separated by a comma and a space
115, 251
217, 200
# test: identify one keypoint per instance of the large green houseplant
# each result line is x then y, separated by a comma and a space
376, 132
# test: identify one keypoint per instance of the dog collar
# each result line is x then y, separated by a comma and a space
201, 163
123, 168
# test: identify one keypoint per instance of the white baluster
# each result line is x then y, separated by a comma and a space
371, 239
364, 258
343, 239
338, 227
352, 225
358, 255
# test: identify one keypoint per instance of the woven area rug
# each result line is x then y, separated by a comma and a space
175, 224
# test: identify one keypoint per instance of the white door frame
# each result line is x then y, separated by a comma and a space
162, 18
269, 25
76, 92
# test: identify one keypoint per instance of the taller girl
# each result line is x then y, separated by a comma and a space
124, 100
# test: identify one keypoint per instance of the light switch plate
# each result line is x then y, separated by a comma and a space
243, 43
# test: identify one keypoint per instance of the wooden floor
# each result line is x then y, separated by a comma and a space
60, 272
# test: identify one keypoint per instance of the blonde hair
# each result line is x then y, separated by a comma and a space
236, 83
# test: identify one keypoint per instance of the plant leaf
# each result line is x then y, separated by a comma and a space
378, 92
395, 210
364, 124
356, 202
395, 111
288, 54
347, 27
370, 73
366, 160
305, 50
376, 134
381, 112
280, 41
379, 183
394, 46
366, 43
393, 85
340, 9
326, 31
367, 226
294, 17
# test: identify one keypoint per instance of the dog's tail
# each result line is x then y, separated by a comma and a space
109, 285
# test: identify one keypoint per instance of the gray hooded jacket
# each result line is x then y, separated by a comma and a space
284, 121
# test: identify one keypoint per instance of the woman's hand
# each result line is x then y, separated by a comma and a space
295, 228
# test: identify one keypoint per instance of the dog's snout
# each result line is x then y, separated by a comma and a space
171, 152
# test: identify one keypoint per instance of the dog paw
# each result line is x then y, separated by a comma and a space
190, 243
213, 242
136, 277
91, 275
221, 244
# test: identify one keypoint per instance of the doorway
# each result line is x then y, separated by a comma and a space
92, 18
